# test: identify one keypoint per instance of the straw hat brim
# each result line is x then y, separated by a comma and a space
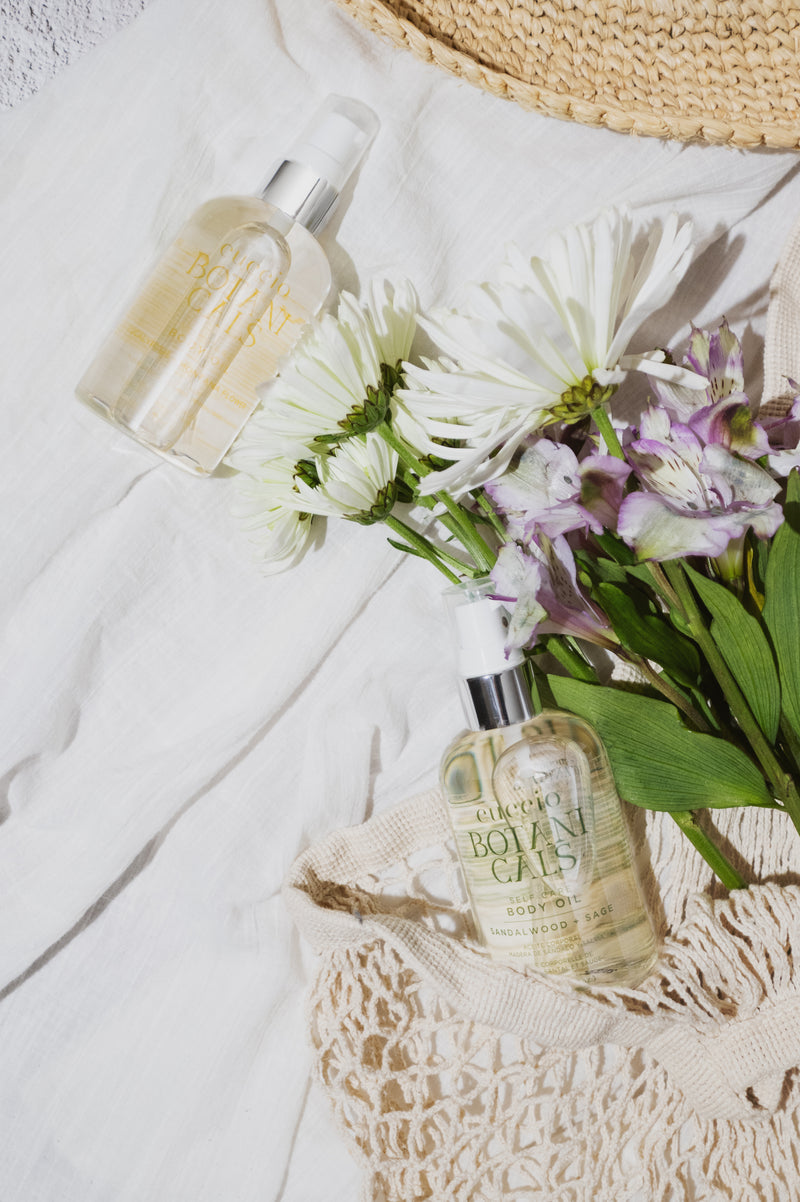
720, 71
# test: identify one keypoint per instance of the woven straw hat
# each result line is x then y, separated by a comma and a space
725, 71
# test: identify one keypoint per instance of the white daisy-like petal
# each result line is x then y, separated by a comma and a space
664, 263
652, 363
286, 477
476, 465
267, 508
525, 344
334, 368
392, 312
354, 479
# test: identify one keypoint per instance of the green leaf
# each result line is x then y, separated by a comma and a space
745, 648
642, 573
599, 568
615, 548
782, 604
568, 655
648, 634
658, 763
404, 547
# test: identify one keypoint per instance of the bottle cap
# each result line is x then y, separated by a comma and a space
336, 139
493, 689
480, 622
306, 184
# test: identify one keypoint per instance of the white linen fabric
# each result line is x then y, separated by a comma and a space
176, 727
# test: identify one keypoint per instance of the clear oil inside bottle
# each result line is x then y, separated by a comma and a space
226, 302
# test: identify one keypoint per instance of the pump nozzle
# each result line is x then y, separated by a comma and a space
336, 139
493, 689
306, 184
480, 625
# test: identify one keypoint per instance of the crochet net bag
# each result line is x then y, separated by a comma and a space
457, 1079
454, 1078
715, 70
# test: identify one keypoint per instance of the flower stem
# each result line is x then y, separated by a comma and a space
421, 545
661, 583
485, 504
603, 423
717, 862
403, 450
670, 692
477, 546
461, 524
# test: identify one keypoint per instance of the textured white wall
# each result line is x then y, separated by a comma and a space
38, 38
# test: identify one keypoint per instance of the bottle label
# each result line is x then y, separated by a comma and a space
212, 323
546, 857
210, 327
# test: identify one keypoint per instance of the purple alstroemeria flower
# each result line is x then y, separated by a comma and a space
603, 479
729, 423
696, 498
723, 413
541, 581
551, 493
517, 577
715, 354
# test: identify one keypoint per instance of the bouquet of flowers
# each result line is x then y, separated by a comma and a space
646, 538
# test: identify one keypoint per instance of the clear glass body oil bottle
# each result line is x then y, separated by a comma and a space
227, 302
539, 828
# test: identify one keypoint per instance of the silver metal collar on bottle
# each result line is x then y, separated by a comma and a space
301, 194
498, 700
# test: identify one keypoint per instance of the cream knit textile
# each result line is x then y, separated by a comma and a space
782, 337
459, 1080
454, 1078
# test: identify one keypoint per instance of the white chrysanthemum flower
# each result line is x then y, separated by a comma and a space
389, 317
334, 384
505, 376
281, 501
307, 452
268, 507
356, 481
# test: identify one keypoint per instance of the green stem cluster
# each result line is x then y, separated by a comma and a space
460, 522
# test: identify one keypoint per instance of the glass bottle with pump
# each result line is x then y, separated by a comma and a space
539, 829
227, 301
